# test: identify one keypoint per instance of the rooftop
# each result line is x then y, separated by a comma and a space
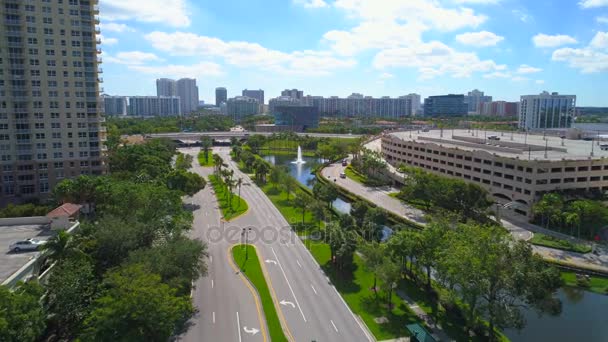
12, 262
510, 145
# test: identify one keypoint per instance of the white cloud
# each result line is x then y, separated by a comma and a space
246, 54
590, 59
311, 3
602, 20
199, 70
482, 38
497, 74
131, 58
477, 2
593, 3
434, 59
168, 12
115, 27
386, 76
526, 69
540, 81
522, 15
545, 40
108, 40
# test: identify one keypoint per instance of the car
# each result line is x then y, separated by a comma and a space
342, 175
344, 162
26, 245
494, 137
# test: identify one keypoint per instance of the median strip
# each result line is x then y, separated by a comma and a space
230, 204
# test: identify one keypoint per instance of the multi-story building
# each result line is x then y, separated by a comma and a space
283, 101
50, 109
154, 105
547, 110
221, 96
475, 99
515, 168
416, 104
188, 94
166, 87
254, 94
241, 106
445, 105
115, 105
298, 118
295, 93
499, 108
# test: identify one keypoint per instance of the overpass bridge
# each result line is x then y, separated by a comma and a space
239, 135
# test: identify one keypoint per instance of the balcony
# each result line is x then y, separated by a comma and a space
15, 44
13, 33
12, 22
23, 130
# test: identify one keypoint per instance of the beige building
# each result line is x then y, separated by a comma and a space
50, 109
516, 169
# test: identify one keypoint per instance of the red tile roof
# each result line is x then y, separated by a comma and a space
66, 209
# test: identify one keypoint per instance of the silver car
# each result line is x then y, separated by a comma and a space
26, 245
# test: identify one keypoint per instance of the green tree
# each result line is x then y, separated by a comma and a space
373, 258
188, 183
206, 144
302, 201
373, 223
134, 305
71, 289
318, 210
277, 173
431, 242
403, 245
358, 209
342, 245
61, 246
21, 314
183, 161
261, 170
325, 192
289, 184
389, 273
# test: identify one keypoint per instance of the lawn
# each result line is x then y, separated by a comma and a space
250, 267
354, 175
355, 288
229, 210
293, 215
202, 161
596, 284
550, 241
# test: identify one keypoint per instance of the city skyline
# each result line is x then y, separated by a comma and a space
505, 47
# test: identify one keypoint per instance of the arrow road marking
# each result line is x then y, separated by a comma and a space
284, 302
251, 331
288, 284
268, 261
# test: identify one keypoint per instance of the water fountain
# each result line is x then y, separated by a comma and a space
299, 160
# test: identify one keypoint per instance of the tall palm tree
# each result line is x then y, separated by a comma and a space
60, 246
239, 182
205, 147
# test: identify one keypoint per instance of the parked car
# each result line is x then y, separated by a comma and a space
26, 245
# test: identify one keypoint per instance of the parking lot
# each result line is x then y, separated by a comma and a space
11, 262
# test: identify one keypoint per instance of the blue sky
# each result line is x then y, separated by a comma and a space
376, 47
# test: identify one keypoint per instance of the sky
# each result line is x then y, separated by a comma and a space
506, 48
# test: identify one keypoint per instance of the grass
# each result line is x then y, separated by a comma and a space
553, 242
250, 267
293, 215
356, 290
354, 175
203, 162
283, 152
596, 284
229, 210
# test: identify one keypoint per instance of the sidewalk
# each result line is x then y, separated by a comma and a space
436, 330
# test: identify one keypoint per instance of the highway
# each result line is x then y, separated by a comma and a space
227, 308
309, 307
240, 134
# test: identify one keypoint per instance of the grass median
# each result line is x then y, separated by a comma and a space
354, 175
594, 283
247, 261
205, 163
231, 208
553, 242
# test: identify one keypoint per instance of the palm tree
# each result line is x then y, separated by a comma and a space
261, 170
60, 246
217, 161
239, 182
206, 146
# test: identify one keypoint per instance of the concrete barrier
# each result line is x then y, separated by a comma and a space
23, 221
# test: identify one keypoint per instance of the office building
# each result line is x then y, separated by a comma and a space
188, 95
255, 94
499, 108
517, 169
221, 96
50, 108
115, 105
298, 118
475, 99
241, 106
295, 93
166, 87
283, 101
415, 103
154, 106
547, 110
445, 105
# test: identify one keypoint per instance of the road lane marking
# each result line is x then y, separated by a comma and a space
313, 289
213, 317
238, 324
269, 261
211, 259
211, 283
332, 323
298, 262
288, 284
284, 302
251, 331
251, 290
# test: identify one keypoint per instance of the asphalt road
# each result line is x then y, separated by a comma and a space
308, 303
226, 305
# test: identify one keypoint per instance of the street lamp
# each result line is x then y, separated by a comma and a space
245, 233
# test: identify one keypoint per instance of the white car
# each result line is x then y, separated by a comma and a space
26, 245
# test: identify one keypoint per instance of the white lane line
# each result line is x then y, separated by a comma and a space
211, 283
213, 317
288, 284
238, 324
332, 323
298, 262
211, 259
313, 289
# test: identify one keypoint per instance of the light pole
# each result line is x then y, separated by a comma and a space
245, 233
